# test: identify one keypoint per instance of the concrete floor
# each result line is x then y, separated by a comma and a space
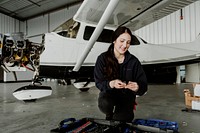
161, 102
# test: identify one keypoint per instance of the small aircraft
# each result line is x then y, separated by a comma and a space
72, 48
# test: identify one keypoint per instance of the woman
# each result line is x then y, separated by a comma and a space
119, 77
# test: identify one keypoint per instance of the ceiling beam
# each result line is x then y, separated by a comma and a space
53, 10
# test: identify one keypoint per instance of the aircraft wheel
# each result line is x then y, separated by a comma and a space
84, 89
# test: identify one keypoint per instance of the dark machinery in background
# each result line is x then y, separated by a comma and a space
18, 52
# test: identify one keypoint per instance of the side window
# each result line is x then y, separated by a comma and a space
105, 35
135, 41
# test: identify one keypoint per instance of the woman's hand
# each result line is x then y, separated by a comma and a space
118, 84
132, 86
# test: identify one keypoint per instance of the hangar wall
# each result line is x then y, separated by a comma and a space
172, 29
9, 24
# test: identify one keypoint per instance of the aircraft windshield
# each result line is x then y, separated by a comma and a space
68, 29
135, 41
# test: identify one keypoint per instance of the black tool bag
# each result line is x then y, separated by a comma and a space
90, 125
93, 125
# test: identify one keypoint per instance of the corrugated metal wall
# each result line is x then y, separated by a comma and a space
8, 24
37, 26
172, 29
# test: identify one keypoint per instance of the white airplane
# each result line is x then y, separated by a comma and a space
72, 48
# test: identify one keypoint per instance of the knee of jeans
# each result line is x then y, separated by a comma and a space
103, 103
105, 106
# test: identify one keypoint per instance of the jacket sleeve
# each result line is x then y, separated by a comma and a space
141, 80
101, 83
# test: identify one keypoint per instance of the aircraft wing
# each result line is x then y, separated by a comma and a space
131, 13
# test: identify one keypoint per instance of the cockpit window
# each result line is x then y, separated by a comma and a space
104, 37
68, 29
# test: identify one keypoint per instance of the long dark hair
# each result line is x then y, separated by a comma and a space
112, 66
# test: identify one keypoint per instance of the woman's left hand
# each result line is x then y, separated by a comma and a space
132, 86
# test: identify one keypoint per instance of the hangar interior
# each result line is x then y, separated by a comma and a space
34, 18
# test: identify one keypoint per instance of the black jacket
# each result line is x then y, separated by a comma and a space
130, 70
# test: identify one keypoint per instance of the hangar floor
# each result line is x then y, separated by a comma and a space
161, 102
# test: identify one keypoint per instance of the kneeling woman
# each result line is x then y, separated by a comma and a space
120, 77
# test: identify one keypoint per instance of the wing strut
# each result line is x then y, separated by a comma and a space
102, 22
